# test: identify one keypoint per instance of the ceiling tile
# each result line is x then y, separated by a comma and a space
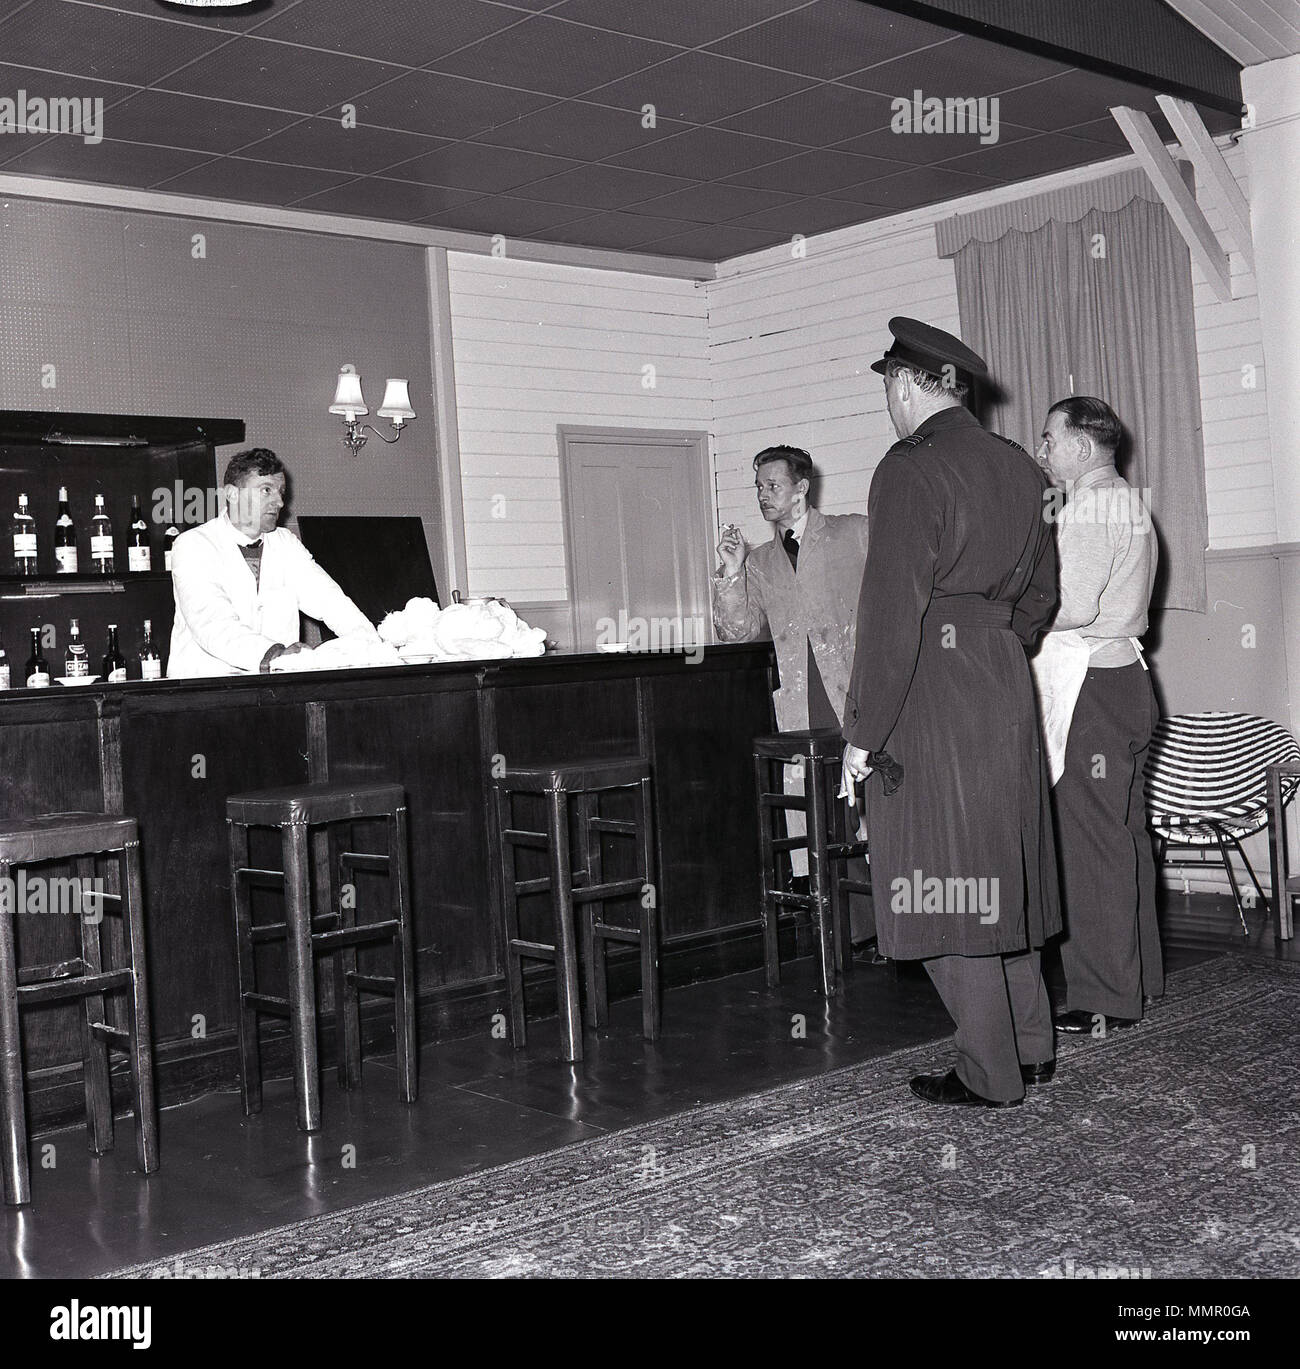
829, 38
571, 128
49, 86
472, 166
1030, 157
236, 178
604, 187
616, 230
806, 216
924, 148
705, 154
824, 114
922, 185
102, 43
429, 102
1103, 130
713, 244
378, 197
715, 203
505, 214
545, 54
384, 28
962, 68
687, 22
699, 88
130, 164
157, 116
816, 173
326, 143
1077, 97
260, 72
243, 20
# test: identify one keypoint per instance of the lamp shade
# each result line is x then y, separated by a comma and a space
348, 399
397, 402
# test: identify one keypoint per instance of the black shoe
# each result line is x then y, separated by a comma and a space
1081, 1023
947, 1088
1040, 1073
869, 950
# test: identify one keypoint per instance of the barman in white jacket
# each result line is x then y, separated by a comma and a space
240, 581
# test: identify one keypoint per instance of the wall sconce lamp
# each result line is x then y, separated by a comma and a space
349, 402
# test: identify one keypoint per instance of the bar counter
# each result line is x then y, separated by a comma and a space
169, 753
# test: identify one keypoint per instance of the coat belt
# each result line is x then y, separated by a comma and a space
967, 610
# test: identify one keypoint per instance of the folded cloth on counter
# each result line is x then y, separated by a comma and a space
355, 650
483, 629
1059, 669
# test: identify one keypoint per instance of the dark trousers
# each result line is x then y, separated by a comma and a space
1003, 1017
1111, 951
862, 915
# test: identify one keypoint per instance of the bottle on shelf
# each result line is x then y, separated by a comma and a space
24, 539
150, 661
138, 555
65, 538
4, 668
38, 668
101, 540
170, 533
76, 663
114, 671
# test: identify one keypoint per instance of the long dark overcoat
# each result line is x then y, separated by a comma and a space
960, 576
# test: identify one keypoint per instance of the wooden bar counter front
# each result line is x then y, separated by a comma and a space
169, 753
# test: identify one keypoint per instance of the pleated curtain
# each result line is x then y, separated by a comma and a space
1090, 292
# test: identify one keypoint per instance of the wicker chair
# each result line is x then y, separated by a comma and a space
1206, 785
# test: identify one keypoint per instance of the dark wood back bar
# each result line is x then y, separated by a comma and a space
170, 753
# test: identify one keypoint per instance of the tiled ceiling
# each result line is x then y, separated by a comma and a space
529, 118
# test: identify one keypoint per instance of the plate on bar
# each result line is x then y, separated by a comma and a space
73, 680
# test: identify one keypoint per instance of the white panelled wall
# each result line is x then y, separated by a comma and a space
535, 346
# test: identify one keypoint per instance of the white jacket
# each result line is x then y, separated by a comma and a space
225, 620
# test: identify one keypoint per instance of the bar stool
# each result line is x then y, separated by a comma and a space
584, 781
295, 811
78, 837
819, 752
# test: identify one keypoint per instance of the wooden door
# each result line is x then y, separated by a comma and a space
637, 534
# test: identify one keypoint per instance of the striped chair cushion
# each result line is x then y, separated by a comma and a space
1210, 766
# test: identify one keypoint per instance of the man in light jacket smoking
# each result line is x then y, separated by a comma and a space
240, 581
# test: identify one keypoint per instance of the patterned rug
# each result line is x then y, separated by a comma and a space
1167, 1150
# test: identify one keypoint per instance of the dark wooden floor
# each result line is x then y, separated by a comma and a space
481, 1104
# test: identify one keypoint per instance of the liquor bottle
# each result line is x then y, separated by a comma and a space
38, 668
114, 671
170, 533
101, 539
76, 663
65, 538
24, 539
4, 668
138, 555
150, 661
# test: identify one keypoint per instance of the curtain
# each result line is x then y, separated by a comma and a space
1099, 303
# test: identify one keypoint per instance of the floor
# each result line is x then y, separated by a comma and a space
483, 1104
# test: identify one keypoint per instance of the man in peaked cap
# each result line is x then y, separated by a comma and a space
960, 577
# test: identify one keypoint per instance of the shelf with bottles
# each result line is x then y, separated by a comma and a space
70, 550
71, 661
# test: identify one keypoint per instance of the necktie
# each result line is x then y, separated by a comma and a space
791, 544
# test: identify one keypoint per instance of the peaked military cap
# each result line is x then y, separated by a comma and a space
929, 349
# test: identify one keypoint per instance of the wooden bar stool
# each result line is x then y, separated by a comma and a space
295, 811
78, 837
819, 753
584, 782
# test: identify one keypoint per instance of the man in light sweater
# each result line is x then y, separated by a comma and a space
240, 581
1107, 549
